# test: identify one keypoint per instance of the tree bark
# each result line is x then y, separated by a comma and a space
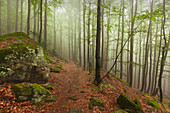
40, 21
80, 62
8, 16
84, 33
28, 17
98, 77
45, 25
21, 24
16, 26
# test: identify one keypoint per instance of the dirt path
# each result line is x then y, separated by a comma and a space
66, 85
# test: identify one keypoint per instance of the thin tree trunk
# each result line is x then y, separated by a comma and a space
28, 17
98, 77
80, 33
121, 56
102, 54
117, 46
40, 21
34, 22
21, 24
69, 37
16, 26
93, 42
75, 38
84, 37
154, 61
164, 55
107, 45
88, 41
45, 25
54, 50
8, 16
61, 36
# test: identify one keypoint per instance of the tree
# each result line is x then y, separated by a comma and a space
16, 26
84, 33
21, 24
41, 2
80, 33
97, 80
28, 17
8, 16
45, 24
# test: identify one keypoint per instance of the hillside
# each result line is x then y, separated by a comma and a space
71, 89
74, 89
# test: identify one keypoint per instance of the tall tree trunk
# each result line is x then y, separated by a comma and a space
88, 41
80, 33
98, 77
150, 67
40, 21
117, 46
35, 21
21, 24
164, 54
84, 33
140, 49
28, 17
75, 38
102, 54
107, 45
61, 36
121, 56
54, 50
8, 16
45, 25
16, 26
69, 37
93, 42
154, 60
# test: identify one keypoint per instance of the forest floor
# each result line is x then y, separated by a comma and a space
74, 88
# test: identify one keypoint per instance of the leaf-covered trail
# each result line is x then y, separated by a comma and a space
68, 83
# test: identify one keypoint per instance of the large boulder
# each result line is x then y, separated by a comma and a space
22, 59
29, 91
128, 105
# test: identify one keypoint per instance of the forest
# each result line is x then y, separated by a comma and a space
106, 40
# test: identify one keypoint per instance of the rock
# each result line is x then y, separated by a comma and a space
51, 99
96, 102
28, 91
23, 61
127, 104
120, 111
76, 111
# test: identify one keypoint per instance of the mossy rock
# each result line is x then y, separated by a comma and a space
55, 70
120, 111
52, 98
124, 89
24, 61
127, 104
74, 98
28, 91
154, 103
96, 102
137, 102
76, 110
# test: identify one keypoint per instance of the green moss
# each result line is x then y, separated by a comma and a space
127, 104
120, 111
124, 90
18, 47
96, 102
153, 103
163, 107
120, 80
55, 70
52, 98
18, 36
137, 102
28, 91
74, 98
